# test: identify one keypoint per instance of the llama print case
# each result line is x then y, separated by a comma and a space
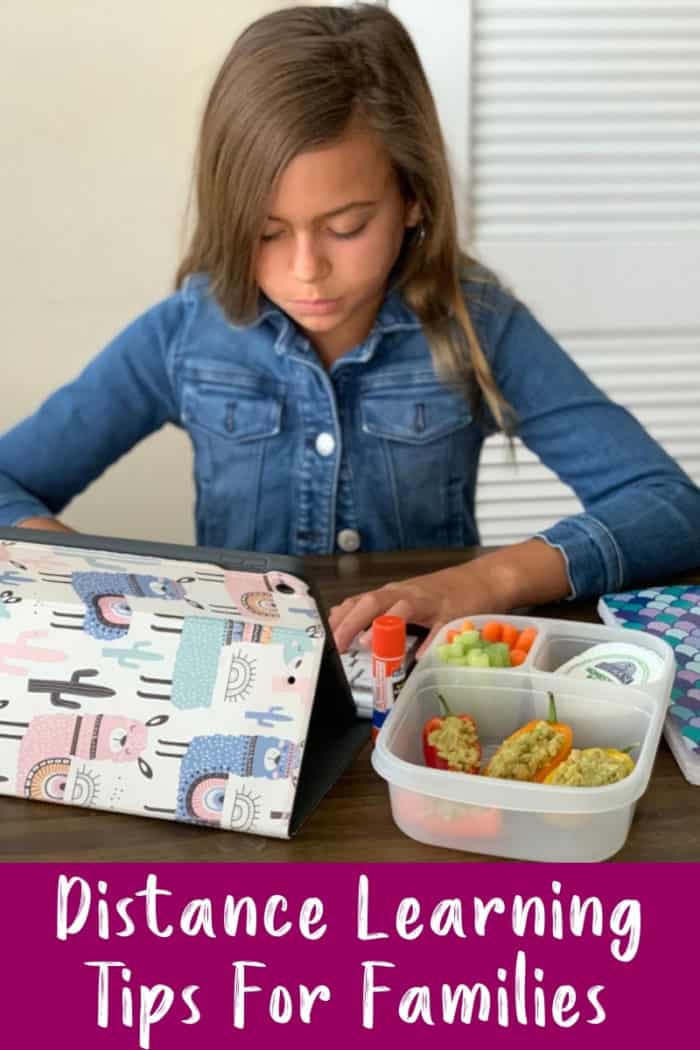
167, 681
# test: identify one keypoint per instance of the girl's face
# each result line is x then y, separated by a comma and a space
334, 229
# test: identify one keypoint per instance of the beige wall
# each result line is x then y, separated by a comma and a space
99, 104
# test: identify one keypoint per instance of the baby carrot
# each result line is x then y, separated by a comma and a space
526, 638
466, 625
452, 634
517, 656
492, 631
510, 635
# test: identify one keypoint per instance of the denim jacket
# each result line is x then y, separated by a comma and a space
290, 456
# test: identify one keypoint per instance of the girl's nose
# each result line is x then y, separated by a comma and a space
309, 264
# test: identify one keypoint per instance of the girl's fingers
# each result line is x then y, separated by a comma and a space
338, 612
359, 616
386, 601
427, 641
415, 610
429, 600
408, 610
405, 608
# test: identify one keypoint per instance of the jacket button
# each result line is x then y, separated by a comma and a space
348, 540
325, 444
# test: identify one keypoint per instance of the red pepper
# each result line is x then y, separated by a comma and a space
436, 818
451, 742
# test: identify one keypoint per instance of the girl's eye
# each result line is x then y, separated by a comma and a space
266, 238
351, 233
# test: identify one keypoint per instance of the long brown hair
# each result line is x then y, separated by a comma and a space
293, 81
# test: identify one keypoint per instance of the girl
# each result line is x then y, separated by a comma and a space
337, 362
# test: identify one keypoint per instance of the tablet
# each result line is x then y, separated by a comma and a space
186, 683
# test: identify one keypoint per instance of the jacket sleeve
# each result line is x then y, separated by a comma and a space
641, 515
125, 393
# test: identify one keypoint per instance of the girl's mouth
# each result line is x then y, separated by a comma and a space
315, 306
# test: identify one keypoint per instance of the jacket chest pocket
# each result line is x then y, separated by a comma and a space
418, 416
416, 439
233, 412
231, 424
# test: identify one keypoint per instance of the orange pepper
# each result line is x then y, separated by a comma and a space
559, 727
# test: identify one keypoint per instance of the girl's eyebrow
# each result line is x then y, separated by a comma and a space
336, 211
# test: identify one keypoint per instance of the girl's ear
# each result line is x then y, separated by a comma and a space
413, 214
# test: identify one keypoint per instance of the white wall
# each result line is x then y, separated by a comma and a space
574, 138
99, 105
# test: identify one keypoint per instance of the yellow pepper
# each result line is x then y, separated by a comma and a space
592, 767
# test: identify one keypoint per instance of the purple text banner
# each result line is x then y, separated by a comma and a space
186, 956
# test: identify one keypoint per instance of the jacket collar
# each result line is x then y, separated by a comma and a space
394, 315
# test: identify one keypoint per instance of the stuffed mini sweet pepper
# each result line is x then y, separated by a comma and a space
534, 750
592, 767
451, 741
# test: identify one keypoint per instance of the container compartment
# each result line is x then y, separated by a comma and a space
520, 622
508, 818
630, 659
545, 837
501, 701
559, 641
556, 650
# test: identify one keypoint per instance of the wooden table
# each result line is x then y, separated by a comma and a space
353, 823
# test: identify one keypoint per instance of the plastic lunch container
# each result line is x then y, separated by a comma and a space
509, 818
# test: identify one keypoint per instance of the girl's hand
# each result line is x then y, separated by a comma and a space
48, 524
527, 573
431, 601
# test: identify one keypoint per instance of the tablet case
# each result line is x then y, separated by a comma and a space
671, 613
185, 683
